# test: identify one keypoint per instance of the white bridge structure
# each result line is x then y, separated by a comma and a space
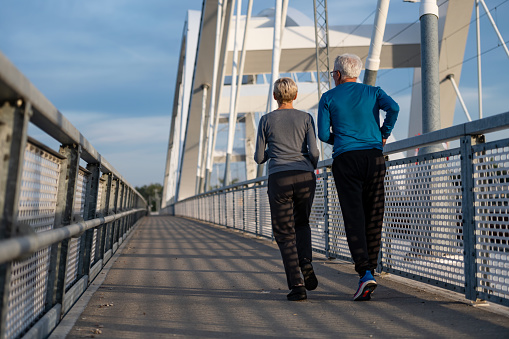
446, 219
218, 45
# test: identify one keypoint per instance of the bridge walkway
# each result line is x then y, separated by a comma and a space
176, 277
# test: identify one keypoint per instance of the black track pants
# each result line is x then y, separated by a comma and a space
359, 178
291, 196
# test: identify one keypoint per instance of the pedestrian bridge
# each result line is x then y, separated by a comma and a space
179, 277
67, 231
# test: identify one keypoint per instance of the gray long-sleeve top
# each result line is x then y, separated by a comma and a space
287, 137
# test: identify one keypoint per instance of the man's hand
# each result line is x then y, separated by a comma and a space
384, 141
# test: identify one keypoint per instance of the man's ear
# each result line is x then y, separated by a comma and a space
295, 96
274, 95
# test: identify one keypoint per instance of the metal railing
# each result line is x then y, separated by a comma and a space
60, 223
446, 217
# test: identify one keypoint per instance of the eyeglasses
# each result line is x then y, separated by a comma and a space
332, 73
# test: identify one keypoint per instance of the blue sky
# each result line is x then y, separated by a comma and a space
110, 66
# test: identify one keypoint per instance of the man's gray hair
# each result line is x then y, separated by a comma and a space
349, 65
285, 90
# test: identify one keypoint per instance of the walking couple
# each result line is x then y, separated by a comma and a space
348, 119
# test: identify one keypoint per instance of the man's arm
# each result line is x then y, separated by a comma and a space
324, 132
260, 155
391, 108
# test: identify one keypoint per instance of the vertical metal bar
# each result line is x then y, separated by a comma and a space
120, 209
63, 217
232, 121
212, 112
375, 47
92, 192
257, 218
114, 211
326, 211
13, 136
460, 98
468, 208
479, 71
105, 208
201, 145
276, 54
429, 71
502, 42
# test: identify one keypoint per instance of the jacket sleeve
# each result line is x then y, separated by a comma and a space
391, 108
324, 125
260, 155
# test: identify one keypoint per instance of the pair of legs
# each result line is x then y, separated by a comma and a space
359, 177
291, 196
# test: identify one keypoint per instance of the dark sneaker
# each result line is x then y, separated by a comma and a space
367, 285
310, 281
297, 293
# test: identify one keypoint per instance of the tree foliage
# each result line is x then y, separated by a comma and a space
152, 194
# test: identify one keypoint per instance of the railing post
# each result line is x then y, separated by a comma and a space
13, 136
120, 222
92, 192
63, 217
105, 209
114, 206
257, 219
326, 211
468, 208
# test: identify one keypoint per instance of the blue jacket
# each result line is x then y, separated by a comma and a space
349, 117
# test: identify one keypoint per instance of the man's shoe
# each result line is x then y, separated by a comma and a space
367, 285
297, 293
310, 281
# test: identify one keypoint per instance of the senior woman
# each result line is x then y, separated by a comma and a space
286, 138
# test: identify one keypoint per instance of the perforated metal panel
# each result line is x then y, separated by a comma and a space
491, 201
239, 209
73, 253
229, 209
338, 246
265, 223
250, 211
422, 230
37, 206
98, 208
222, 208
317, 217
215, 207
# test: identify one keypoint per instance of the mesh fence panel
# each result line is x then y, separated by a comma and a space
491, 201
338, 247
37, 206
317, 217
239, 209
73, 253
265, 224
229, 209
250, 211
422, 231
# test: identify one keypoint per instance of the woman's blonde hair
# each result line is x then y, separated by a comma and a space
285, 90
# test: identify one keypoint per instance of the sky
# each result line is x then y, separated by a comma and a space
110, 67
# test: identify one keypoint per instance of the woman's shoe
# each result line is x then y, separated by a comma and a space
297, 293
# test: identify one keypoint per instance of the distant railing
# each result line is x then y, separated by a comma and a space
446, 213
60, 223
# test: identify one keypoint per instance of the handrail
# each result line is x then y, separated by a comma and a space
486, 125
14, 248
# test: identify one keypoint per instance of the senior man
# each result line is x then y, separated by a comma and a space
349, 119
